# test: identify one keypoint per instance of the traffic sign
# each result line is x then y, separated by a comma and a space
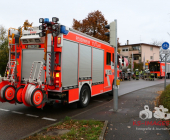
165, 45
165, 51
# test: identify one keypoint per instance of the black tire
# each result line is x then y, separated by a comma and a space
8, 100
15, 97
84, 96
32, 97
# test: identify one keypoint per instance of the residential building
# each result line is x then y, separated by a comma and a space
140, 51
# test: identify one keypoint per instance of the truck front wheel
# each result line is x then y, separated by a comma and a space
84, 96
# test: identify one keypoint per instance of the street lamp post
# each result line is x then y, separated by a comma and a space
153, 56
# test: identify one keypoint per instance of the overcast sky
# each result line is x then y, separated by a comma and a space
139, 21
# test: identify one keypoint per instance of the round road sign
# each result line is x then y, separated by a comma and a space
165, 45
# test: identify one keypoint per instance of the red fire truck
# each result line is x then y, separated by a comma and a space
158, 68
64, 68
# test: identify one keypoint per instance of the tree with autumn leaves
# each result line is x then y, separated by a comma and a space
3, 49
93, 25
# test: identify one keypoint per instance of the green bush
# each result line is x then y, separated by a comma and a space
165, 98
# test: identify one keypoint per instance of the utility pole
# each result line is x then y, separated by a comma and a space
113, 42
153, 56
132, 63
115, 103
165, 74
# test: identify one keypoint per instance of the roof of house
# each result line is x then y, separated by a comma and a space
140, 44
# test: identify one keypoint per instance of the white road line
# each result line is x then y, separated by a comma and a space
4, 109
97, 101
49, 119
17, 112
32, 115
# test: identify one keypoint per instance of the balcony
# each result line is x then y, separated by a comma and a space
136, 58
135, 51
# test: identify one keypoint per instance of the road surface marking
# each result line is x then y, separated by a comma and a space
17, 112
97, 101
50, 119
30, 115
4, 109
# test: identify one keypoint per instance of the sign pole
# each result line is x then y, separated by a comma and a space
165, 47
132, 63
165, 73
115, 103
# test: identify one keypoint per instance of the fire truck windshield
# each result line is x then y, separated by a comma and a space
154, 66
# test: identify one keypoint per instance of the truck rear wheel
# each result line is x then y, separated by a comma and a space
84, 96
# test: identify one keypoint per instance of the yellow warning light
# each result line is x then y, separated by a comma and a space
59, 40
117, 82
57, 75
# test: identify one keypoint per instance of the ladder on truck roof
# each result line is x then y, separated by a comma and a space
10, 72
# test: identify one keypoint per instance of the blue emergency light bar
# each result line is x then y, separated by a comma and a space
46, 20
63, 30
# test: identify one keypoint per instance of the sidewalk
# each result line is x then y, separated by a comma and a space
123, 124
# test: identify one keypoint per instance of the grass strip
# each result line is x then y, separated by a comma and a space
78, 130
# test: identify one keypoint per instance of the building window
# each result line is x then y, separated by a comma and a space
124, 49
151, 48
108, 59
151, 57
136, 57
134, 48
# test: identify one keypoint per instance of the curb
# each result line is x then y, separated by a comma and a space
37, 131
101, 137
141, 88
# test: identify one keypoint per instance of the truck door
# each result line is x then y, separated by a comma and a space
108, 71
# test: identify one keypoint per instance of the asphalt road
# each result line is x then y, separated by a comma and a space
17, 121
